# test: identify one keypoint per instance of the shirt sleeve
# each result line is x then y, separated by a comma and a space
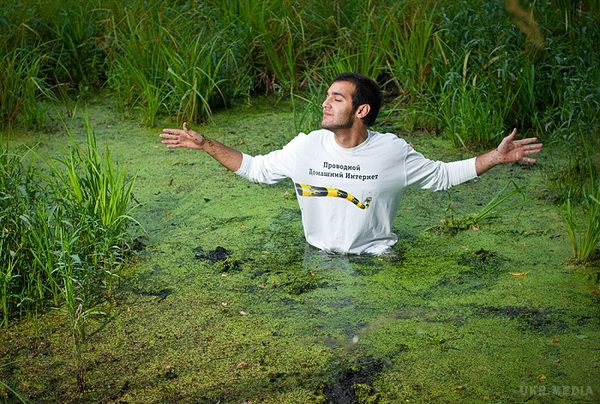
272, 167
437, 175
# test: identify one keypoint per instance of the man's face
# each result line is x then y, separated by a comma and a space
338, 112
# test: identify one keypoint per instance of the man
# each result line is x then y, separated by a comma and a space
348, 179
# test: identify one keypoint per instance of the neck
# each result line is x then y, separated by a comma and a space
350, 137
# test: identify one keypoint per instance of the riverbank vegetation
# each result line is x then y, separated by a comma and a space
479, 67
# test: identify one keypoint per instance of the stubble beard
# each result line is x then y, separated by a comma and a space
346, 124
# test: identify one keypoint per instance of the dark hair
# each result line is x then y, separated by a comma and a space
366, 92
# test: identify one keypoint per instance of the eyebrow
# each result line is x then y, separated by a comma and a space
336, 93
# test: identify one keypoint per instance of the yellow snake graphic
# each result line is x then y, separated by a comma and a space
311, 190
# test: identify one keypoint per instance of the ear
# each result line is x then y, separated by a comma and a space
363, 110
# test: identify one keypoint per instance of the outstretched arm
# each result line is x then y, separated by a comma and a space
509, 151
228, 157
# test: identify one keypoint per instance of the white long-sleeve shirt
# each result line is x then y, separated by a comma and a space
375, 172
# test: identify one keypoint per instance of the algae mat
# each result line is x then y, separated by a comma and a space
224, 302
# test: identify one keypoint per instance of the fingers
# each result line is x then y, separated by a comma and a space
510, 137
527, 147
172, 137
537, 147
171, 143
184, 138
507, 142
526, 151
532, 151
180, 133
168, 136
525, 141
176, 132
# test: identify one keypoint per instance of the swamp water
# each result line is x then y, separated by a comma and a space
224, 302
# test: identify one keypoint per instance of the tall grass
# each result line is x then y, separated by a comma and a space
177, 63
98, 197
195, 78
43, 256
21, 86
137, 71
20, 192
65, 35
537, 60
6, 278
470, 117
63, 237
70, 268
74, 220
411, 44
575, 169
278, 48
94, 186
587, 239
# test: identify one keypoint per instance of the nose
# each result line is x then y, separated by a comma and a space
325, 103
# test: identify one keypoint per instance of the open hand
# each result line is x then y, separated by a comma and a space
185, 137
511, 150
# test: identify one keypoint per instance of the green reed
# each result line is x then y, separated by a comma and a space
194, 78
180, 64
469, 115
19, 193
584, 240
87, 201
70, 266
41, 276
6, 278
21, 87
411, 43
77, 48
137, 70
279, 50
98, 196
70, 290
575, 169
